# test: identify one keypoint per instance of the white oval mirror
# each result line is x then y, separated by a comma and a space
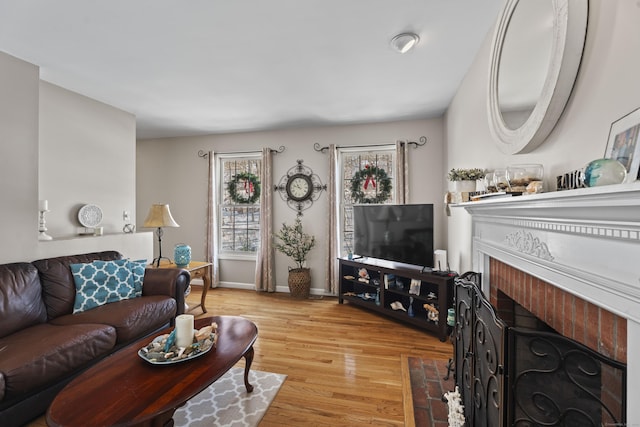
536, 53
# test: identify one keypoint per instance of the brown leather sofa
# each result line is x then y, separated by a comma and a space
43, 345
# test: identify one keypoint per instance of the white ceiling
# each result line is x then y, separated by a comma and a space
217, 66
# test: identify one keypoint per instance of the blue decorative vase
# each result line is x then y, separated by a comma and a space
451, 317
604, 172
182, 255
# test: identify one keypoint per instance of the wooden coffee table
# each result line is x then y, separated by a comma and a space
125, 390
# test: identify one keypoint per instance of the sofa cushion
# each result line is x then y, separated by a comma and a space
44, 353
101, 282
132, 318
59, 291
21, 302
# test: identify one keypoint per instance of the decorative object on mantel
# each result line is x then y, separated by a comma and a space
292, 241
570, 180
525, 179
43, 208
454, 197
300, 187
89, 216
603, 172
159, 216
500, 180
624, 143
464, 180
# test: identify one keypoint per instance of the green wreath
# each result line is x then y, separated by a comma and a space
251, 185
374, 176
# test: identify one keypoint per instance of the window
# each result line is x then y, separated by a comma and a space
352, 162
239, 218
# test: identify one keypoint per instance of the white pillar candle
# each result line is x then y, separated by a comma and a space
43, 205
184, 330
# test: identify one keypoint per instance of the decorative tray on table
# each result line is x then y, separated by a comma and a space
164, 351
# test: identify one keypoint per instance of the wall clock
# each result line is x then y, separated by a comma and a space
300, 187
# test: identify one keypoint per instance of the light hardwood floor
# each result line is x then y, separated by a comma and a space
343, 363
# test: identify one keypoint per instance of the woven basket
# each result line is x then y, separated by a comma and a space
299, 282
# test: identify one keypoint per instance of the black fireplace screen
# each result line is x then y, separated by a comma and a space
479, 344
512, 376
557, 381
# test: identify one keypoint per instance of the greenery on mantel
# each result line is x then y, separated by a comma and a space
466, 174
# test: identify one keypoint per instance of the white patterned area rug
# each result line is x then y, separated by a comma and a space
227, 403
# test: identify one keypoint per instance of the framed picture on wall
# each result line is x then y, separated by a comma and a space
624, 144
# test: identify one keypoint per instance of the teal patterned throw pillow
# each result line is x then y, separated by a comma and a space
137, 274
101, 282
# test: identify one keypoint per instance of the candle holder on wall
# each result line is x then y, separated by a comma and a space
42, 223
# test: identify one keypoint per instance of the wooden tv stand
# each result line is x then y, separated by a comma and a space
389, 283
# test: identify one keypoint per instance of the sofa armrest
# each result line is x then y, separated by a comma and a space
172, 282
3, 386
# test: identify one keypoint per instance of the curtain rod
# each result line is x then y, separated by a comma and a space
205, 154
321, 149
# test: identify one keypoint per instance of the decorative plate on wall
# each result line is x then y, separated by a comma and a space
90, 216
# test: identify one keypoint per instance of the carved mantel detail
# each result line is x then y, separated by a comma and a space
525, 242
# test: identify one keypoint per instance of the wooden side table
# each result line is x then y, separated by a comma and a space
198, 270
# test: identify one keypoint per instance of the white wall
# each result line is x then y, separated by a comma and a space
18, 158
69, 149
170, 171
606, 89
87, 155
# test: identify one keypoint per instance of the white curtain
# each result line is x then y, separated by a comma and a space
333, 250
266, 256
402, 172
211, 241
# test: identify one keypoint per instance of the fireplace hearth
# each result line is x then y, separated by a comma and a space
514, 376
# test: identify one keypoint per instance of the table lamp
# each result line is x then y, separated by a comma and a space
159, 216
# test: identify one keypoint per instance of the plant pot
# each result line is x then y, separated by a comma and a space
299, 282
464, 186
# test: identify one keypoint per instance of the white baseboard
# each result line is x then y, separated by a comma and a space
252, 287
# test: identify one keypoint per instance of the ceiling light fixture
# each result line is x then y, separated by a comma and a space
404, 42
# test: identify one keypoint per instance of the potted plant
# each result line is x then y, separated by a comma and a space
465, 179
297, 244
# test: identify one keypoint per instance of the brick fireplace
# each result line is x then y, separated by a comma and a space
571, 259
567, 314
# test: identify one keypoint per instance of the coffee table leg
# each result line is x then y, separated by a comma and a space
163, 420
248, 357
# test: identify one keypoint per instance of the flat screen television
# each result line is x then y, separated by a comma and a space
401, 233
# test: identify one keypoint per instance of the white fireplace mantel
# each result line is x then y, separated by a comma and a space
585, 241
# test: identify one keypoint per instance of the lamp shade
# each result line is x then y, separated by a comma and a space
159, 216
